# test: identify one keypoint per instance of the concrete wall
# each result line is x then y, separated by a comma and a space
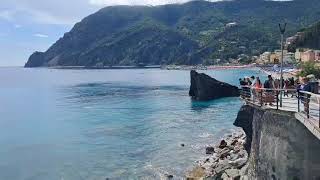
281, 146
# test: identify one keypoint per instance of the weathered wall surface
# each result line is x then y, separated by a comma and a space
281, 146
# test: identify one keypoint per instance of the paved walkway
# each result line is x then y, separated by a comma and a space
290, 104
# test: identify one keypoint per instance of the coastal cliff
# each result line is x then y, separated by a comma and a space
280, 146
275, 146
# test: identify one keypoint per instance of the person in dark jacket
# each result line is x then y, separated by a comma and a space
305, 85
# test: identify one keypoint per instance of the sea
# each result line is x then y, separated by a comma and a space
107, 124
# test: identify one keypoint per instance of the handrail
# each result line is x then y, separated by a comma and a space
309, 101
273, 89
310, 93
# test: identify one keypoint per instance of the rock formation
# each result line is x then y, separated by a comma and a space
225, 162
204, 88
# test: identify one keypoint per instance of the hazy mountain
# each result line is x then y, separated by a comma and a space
190, 33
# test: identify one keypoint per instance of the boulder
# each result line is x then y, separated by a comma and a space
204, 88
223, 144
210, 150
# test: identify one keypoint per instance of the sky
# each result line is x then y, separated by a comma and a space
27, 26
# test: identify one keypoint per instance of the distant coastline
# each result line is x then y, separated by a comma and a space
288, 72
106, 67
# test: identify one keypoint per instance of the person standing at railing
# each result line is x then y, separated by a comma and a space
252, 90
286, 87
257, 89
305, 98
269, 85
242, 82
247, 81
246, 88
253, 81
258, 84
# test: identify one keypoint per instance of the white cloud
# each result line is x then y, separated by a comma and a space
7, 15
41, 35
59, 12
134, 2
17, 26
137, 2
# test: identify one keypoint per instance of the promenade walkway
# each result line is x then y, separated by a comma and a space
305, 105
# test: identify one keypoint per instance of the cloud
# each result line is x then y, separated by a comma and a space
6, 15
137, 2
40, 35
62, 12
57, 12
17, 26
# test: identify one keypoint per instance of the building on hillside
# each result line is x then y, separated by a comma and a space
291, 40
308, 56
274, 58
265, 57
297, 54
289, 58
317, 55
232, 24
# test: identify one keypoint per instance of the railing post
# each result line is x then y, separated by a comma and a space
261, 98
252, 95
277, 93
319, 112
298, 101
307, 103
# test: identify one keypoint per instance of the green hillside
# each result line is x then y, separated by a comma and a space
190, 33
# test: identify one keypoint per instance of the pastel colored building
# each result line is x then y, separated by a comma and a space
317, 55
308, 56
297, 54
265, 57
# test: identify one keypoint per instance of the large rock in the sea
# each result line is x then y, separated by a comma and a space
204, 87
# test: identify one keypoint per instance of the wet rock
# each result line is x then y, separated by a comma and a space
224, 153
221, 167
182, 145
196, 173
224, 176
239, 163
169, 176
233, 173
226, 159
234, 142
223, 144
244, 170
210, 150
233, 157
204, 88
245, 177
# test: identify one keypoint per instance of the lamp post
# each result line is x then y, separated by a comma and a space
282, 31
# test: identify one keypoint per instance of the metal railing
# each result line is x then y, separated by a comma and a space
302, 102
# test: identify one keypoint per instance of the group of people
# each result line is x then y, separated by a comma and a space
252, 87
266, 92
270, 83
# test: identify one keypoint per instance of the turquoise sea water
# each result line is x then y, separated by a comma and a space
98, 124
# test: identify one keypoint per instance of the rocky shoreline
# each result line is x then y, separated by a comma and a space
226, 160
